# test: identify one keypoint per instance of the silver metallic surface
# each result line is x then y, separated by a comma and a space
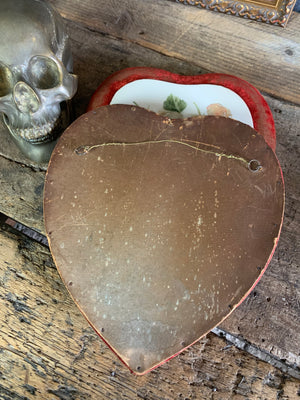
35, 71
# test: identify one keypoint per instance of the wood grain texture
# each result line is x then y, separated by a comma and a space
264, 316
48, 350
266, 56
22, 184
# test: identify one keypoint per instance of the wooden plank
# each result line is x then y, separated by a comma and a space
95, 58
48, 350
22, 184
266, 56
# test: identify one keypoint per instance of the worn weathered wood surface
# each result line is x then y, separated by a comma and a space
48, 350
266, 56
270, 316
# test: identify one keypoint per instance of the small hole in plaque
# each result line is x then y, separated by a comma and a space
81, 150
254, 166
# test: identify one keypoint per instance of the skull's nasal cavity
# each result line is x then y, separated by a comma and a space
25, 98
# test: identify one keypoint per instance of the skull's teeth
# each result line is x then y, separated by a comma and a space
35, 133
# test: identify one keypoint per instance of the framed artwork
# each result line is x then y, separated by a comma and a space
275, 12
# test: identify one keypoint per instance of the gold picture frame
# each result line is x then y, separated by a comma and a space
275, 12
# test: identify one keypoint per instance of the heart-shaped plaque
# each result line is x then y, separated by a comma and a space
158, 227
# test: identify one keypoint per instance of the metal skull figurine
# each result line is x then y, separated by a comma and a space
35, 66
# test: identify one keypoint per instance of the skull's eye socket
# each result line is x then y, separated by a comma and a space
6, 80
44, 72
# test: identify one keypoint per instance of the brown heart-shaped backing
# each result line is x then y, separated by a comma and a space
160, 228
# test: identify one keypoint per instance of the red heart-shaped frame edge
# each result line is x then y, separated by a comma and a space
261, 114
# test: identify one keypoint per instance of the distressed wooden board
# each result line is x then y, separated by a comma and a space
97, 56
266, 56
48, 350
104, 55
22, 184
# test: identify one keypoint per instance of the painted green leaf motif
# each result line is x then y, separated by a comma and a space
174, 103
